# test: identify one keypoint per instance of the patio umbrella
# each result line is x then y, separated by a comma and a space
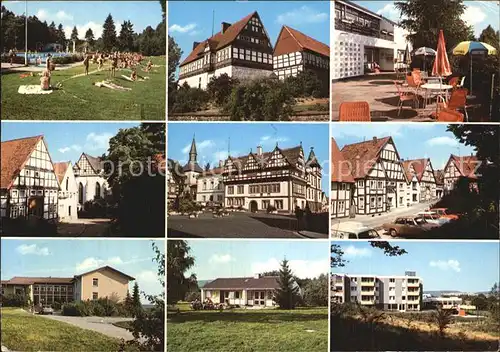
424, 51
473, 48
441, 67
407, 56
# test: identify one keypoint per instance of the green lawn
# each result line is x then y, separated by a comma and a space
79, 99
22, 331
248, 330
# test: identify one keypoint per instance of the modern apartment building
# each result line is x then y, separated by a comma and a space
401, 293
363, 38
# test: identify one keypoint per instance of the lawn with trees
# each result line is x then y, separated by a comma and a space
291, 326
75, 97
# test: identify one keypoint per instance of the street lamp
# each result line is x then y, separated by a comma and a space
26, 33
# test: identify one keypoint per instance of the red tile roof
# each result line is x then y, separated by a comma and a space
419, 166
219, 40
291, 40
340, 169
23, 280
14, 154
243, 283
363, 156
465, 164
60, 169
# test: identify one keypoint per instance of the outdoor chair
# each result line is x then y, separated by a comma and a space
458, 100
414, 85
453, 82
447, 115
404, 95
354, 111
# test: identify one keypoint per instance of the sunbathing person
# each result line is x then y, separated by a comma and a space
45, 80
133, 75
149, 66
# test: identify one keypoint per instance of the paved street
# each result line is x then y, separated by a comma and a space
238, 225
84, 228
377, 220
104, 325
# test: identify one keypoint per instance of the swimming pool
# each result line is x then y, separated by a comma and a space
43, 56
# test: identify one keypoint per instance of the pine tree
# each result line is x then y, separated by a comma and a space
286, 296
109, 34
74, 34
489, 36
61, 36
126, 38
89, 37
128, 303
136, 300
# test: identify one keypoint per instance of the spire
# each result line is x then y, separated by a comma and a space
192, 153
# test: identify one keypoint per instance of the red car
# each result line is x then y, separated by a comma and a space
443, 213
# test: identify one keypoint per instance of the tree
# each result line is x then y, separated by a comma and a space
163, 4
89, 38
316, 292
337, 260
424, 18
109, 40
136, 300
489, 36
129, 304
126, 37
219, 88
207, 167
442, 318
61, 36
74, 34
286, 296
178, 263
174, 58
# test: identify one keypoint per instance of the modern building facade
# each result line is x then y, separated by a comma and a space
295, 52
99, 283
363, 38
401, 293
68, 193
241, 50
90, 178
28, 184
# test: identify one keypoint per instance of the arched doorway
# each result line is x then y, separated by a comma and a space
97, 190
253, 206
80, 193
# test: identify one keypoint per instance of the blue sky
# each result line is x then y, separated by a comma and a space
191, 21
463, 266
413, 141
212, 141
91, 14
66, 141
479, 14
215, 259
65, 258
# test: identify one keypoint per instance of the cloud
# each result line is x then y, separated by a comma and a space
221, 258
450, 264
353, 252
203, 145
82, 29
63, 16
94, 263
302, 15
473, 15
74, 147
27, 249
97, 141
271, 141
148, 282
390, 11
378, 130
442, 141
301, 268
177, 28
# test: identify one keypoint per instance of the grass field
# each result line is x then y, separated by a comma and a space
22, 331
79, 99
248, 330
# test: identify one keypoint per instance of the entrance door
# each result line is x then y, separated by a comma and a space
69, 210
253, 206
259, 298
221, 296
35, 206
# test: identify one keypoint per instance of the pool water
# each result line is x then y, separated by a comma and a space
43, 56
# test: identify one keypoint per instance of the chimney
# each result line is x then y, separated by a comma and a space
259, 150
224, 27
374, 139
195, 44
221, 164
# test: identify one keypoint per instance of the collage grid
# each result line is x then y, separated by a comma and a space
264, 175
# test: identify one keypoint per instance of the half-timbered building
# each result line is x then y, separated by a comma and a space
280, 178
422, 182
342, 183
29, 186
89, 174
241, 50
439, 176
68, 192
295, 52
380, 179
459, 167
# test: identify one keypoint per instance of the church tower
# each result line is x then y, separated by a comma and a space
192, 169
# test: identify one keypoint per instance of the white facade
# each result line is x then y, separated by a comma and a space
90, 180
68, 196
341, 199
241, 297
210, 188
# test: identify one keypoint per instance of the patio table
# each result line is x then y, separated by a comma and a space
436, 87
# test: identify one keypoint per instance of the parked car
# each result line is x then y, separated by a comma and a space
353, 230
444, 213
408, 226
433, 217
45, 309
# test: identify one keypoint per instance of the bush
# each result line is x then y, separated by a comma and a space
72, 310
103, 307
65, 60
187, 99
308, 84
271, 208
56, 305
17, 59
219, 89
14, 300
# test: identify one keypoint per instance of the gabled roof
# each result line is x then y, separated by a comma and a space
291, 155
340, 169
419, 166
107, 267
60, 169
219, 40
95, 162
291, 40
14, 155
312, 160
466, 165
363, 156
243, 283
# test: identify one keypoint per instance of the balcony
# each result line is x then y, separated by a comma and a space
368, 283
368, 293
413, 284
367, 301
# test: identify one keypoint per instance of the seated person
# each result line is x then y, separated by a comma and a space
149, 66
133, 75
45, 80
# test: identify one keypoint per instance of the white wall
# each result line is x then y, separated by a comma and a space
68, 198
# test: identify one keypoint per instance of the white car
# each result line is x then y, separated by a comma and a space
353, 230
433, 217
